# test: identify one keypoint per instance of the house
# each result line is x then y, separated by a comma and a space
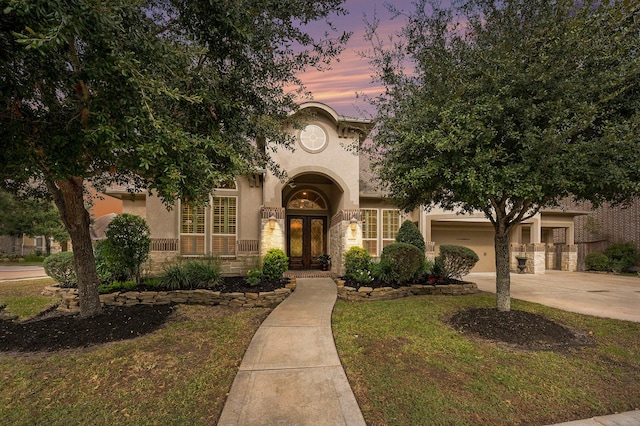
329, 204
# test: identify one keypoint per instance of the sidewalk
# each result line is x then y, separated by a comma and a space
291, 373
11, 273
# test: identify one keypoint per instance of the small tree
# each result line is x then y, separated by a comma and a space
128, 244
409, 233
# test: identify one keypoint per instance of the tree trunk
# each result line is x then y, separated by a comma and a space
68, 195
503, 275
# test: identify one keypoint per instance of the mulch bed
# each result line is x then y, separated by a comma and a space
53, 331
519, 329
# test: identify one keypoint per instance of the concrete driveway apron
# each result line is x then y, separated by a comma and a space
601, 295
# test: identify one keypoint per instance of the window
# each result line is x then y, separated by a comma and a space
307, 200
313, 138
223, 226
370, 231
191, 230
390, 226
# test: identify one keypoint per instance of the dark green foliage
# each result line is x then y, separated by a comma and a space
404, 262
127, 245
274, 264
357, 264
254, 277
107, 271
508, 107
116, 286
621, 256
191, 274
61, 267
175, 278
596, 262
409, 233
163, 95
456, 261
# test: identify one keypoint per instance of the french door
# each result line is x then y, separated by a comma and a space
307, 241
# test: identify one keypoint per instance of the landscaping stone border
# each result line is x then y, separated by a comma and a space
363, 294
70, 302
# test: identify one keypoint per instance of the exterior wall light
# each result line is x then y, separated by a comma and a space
272, 222
353, 223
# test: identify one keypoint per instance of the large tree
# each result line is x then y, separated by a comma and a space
509, 106
165, 95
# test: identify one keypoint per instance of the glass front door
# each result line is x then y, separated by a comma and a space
306, 241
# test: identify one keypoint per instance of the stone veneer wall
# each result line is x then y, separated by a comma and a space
70, 302
389, 293
569, 260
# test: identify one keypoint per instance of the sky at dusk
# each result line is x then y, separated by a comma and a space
338, 86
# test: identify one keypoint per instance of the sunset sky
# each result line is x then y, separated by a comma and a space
338, 86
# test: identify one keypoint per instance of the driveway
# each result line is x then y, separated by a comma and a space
601, 295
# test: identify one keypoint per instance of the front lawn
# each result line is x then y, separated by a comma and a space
177, 375
407, 367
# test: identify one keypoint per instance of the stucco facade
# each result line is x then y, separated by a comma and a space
328, 204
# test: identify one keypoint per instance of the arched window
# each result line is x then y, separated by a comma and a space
306, 200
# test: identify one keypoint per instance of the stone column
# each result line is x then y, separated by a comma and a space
537, 252
569, 258
272, 229
430, 253
345, 232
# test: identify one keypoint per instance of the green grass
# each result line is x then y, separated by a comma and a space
407, 367
23, 298
178, 375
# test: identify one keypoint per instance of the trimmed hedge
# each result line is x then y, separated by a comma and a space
596, 262
357, 265
61, 267
274, 264
622, 256
455, 261
409, 233
403, 262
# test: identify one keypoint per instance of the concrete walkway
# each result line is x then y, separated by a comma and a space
601, 295
291, 373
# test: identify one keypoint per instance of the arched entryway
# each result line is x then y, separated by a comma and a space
307, 217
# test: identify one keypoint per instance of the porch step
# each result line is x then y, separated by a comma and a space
310, 273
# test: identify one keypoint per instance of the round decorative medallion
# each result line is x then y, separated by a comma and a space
313, 138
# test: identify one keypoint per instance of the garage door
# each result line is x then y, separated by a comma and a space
478, 237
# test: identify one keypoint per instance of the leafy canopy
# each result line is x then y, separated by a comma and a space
509, 106
174, 96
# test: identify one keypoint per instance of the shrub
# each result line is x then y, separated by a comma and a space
61, 267
357, 264
128, 243
107, 271
596, 262
621, 256
274, 264
456, 261
254, 276
192, 274
174, 278
403, 260
203, 273
116, 286
410, 234
34, 257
